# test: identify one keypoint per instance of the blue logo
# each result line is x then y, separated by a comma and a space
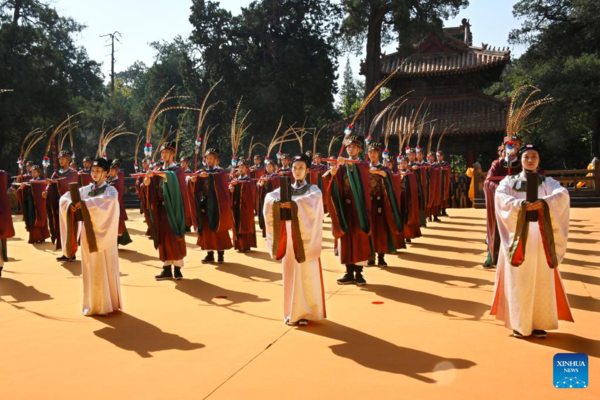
571, 371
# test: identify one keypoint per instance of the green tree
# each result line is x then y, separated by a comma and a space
350, 93
379, 22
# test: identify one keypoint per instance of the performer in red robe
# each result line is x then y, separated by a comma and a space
256, 172
169, 208
266, 184
285, 169
385, 216
243, 191
212, 202
315, 177
350, 210
446, 177
410, 201
85, 173
139, 185
7, 229
116, 179
510, 165
22, 178
34, 207
396, 178
435, 187
58, 186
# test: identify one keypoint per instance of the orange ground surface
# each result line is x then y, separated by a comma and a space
431, 338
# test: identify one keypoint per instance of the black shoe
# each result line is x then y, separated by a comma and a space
487, 265
430, 219
210, 258
518, 334
165, 274
247, 251
371, 262
1, 271
444, 214
381, 261
436, 219
538, 333
62, 258
178, 274
360, 281
408, 241
71, 259
348, 278
221, 257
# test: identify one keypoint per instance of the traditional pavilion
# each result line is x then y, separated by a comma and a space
449, 73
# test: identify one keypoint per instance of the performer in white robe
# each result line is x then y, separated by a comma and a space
298, 242
100, 269
529, 295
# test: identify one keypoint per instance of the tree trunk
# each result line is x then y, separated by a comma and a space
17, 12
596, 137
373, 62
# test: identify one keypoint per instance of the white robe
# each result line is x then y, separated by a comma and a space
100, 270
303, 291
532, 295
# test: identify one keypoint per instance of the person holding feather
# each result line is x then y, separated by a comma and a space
116, 179
265, 185
349, 204
386, 223
58, 185
243, 192
34, 207
7, 229
297, 241
212, 201
168, 210
85, 173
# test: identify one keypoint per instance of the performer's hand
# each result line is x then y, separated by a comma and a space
286, 204
44, 195
334, 171
341, 160
193, 179
150, 173
415, 167
536, 205
75, 207
204, 174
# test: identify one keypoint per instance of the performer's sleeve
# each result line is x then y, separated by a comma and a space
558, 202
63, 209
507, 211
104, 213
270, 198
310, 219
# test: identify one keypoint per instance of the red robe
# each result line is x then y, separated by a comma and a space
435, 189
55, 191
85, 177
382, 217
446, 176
257, 172
119, 184
316, 178
211, 195
410, 205
497, 172
170, 246
244, 198
354, 246
32, 198
287, 172
267, 187
397, 183
7, 229
140, 190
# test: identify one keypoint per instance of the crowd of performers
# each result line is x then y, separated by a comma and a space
376, 204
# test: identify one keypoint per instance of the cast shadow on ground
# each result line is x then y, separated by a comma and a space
447, 279
580, 263
20, 292
207, 293
572, 276
433, 260
586, 303
451, 249
133, 334
430, 302
74, 267
135, 256
569, 342
250, 273
378, 354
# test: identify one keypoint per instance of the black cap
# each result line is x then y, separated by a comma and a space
87, 158
102, 163
243, 161
116, 163
355, 140
527, 147
29, 163
302, 157
185, 158
65, 153
257, 157
36, 167
214, 151
285, 155
168, 146
375, 146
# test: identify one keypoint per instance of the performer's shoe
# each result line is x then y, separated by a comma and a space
487, 265
348, 278
444, 214
62, 258
210, 258
518, 334
247, 251
381, 261
303, 322
430, 219
1, 271
178, 275
220, 257
538, 333
436, 219
371, 262
408, 241
71, 259
165, 274
360, 281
